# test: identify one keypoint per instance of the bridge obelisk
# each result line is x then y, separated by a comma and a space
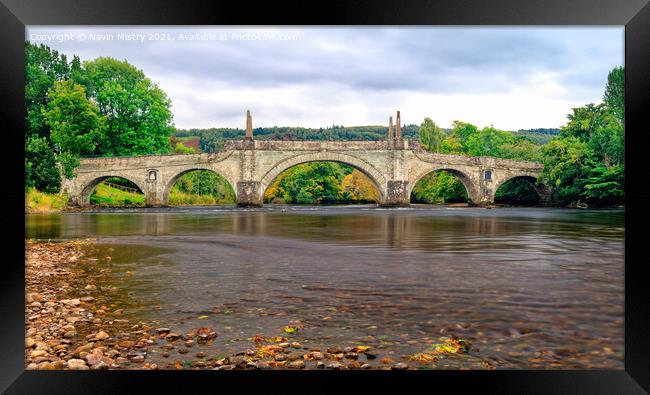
398, 129
249, 190
249, 125
397, 184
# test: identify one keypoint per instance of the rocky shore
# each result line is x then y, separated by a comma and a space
72, 323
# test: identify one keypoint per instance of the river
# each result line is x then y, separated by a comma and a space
526, 287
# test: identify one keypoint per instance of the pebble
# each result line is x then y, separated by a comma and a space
101, 335
172, 336
77, 364
294, 356
317, 355
334, 365
296, 364
400, 366
137, 358
101, 365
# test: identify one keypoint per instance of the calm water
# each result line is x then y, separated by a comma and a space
527, 287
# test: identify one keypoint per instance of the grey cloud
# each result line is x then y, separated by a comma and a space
372, 61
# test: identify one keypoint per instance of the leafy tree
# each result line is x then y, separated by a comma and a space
137, 110
431, 136
587, 161
614, 97
43, 67
41, 170
357, 187
74, 121
565, 160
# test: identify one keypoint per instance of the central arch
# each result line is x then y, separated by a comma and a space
170, 184
366, 168
470, 188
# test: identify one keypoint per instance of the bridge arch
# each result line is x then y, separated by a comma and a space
542, 190
470, 187
172, 180
89, 186
323, 156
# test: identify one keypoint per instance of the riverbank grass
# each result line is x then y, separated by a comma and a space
185, 199
107, 196
41, 202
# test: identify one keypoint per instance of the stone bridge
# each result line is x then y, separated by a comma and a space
250, 166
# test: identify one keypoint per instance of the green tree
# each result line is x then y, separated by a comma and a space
139, 119
587, 161
43, 67
41, 170
431, 136
614, 97
74, 121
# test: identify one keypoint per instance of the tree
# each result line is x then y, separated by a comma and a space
614, 97
587, 161
41, 170
139, 119
356, 186
43, 67
431, 136
74, 121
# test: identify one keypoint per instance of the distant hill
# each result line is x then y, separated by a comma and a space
210, 140
538, 136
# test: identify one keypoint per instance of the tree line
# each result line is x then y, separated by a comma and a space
584, 162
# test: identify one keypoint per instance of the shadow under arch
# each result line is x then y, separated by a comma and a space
470, 188
378, 180
172, 181
92, 184
530, 190
267, 184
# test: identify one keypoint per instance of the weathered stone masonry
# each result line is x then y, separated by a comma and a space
250, 166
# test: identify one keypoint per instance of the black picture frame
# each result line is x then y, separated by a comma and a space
16, 14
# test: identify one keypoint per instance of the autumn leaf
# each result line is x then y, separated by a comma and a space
291, 329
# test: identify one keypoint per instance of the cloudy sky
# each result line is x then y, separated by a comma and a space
512, 78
